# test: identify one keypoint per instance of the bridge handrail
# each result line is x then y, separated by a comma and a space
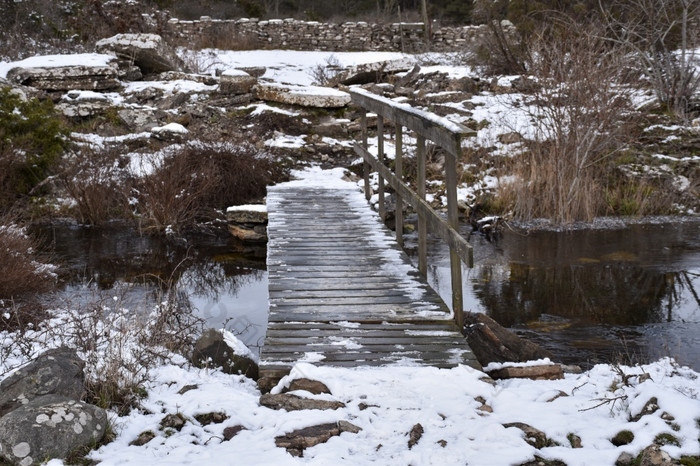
443, 133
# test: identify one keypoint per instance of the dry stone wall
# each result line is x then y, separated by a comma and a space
311, 35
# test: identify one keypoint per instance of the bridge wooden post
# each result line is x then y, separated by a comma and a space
422, 222
453, 220
380, 157
365, 165
399, 174
447, 135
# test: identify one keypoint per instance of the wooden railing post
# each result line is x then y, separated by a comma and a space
380, 157
365, 166
453, 221
422, 223
398, 216
444, 134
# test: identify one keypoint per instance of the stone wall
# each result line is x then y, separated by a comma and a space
311, 35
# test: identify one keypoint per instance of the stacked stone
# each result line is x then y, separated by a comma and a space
350, 36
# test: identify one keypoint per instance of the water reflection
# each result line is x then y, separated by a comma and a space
222, 279
590, 296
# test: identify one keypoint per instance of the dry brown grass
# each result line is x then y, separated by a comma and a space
580, 111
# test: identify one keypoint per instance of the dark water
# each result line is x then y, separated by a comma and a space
590, 296
225, 281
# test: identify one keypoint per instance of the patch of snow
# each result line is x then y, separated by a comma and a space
494, 366
286, 141
171, 128
248, 208
262, 108
237, 345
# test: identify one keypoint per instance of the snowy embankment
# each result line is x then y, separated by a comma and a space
594, 406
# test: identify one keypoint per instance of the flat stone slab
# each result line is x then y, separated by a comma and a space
66, 78
305, 96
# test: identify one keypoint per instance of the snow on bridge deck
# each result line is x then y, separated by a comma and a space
342, 292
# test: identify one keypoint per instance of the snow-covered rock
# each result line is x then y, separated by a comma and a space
66, 78
367, 72
220, 348
236, 82
148, 51
84, 104
305, 96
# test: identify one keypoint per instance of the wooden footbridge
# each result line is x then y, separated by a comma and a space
342, 291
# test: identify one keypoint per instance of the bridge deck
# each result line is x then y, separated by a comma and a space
343, 293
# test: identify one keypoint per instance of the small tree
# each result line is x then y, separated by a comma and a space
663, 35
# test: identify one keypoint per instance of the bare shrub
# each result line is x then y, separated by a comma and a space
663, 36
323, 74
578, 109
22, 271
96, 179
120, 346
197, 179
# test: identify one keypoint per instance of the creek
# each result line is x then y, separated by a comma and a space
589, 296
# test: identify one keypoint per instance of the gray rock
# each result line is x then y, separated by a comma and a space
56, 372
534, 437
182, 76
653, 455
312, 386
212, 351
236, 82
295, 403
371, 72
66, 78
50, 426
625, 459
76, 105
147, 51
255, 71
139, 120
232, 431
305, 96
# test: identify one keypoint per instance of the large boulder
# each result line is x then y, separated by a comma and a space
66, 78
220, 348
56, 372
305, 96
371, 72
50, 426
147, 51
